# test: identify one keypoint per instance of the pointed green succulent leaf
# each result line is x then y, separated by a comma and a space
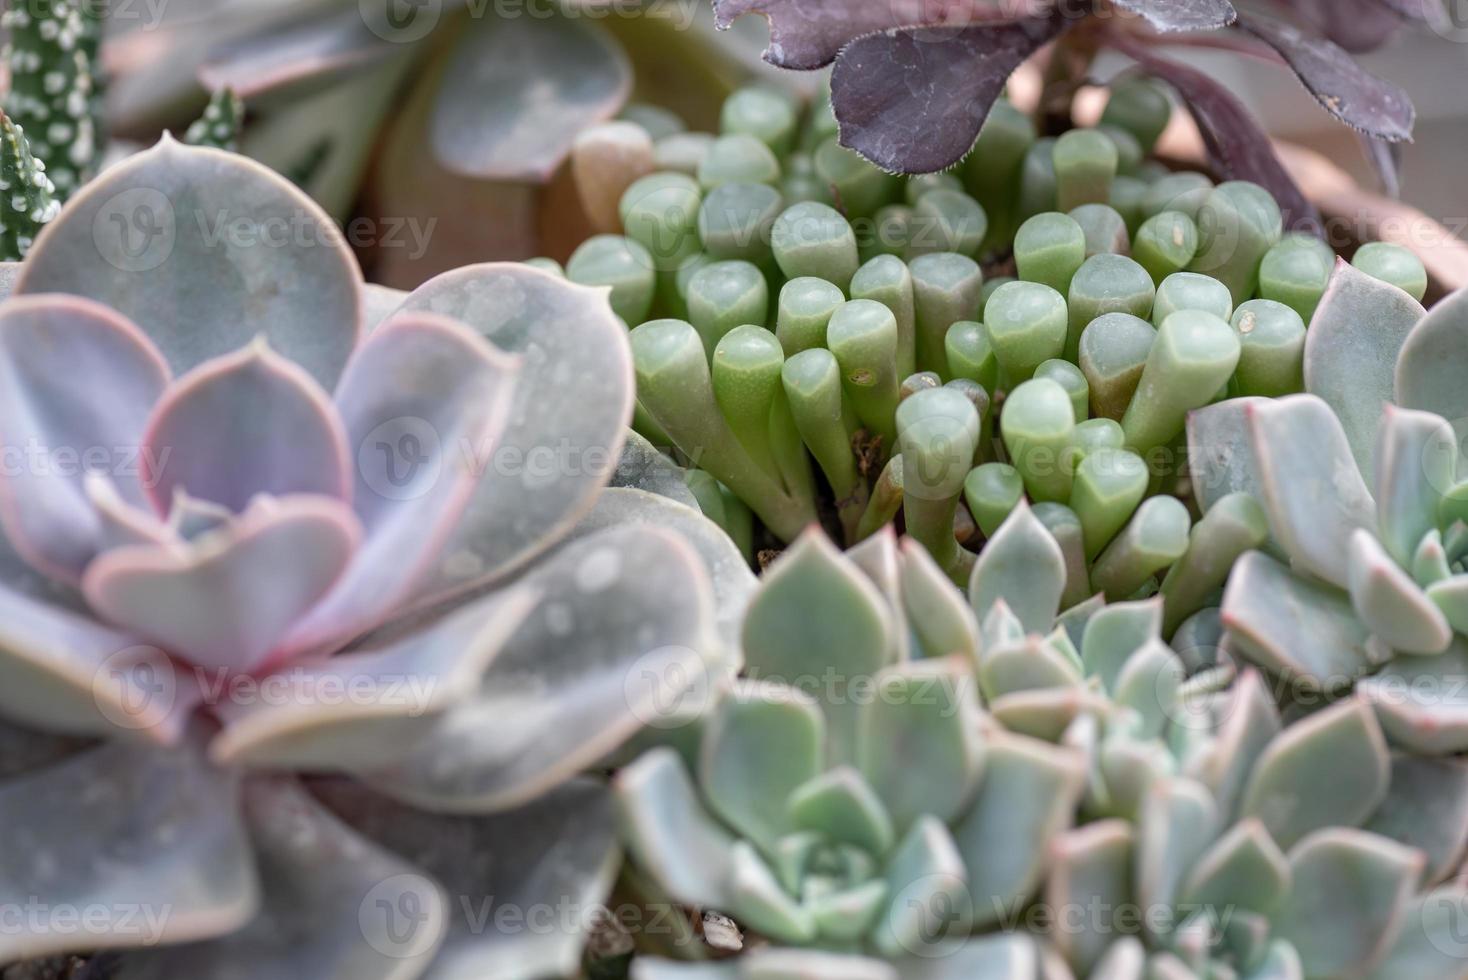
1178, 822
1420, 701
1331, 769
1114, 633
1426, 808
817, 614
1309, 482
1349, 899
1026, 797
928, 889
1091, 869
1220, 451
1430, 942
842, 806
1024, 566
668, 832
1243, 869
917, 739
757, 899
1432, 360
1417, 464
1351, 352
1390, 603
1294, 626
941, 620
764, 741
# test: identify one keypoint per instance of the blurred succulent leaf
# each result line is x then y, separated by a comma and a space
1349, 899
88, 352
1420, 701
733, 583
1220, 455
1091, 868
1243, 869
1426, 807
1417, 463
298, 847
1027, 795
1177, 823
941, 620
558, 852
129, 826
1331, 769
668, 831
1114, 633
1430, 941
623, 655
929, 892
518, 90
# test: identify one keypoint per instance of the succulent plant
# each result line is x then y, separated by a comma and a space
773, 329
55, 88
31, 200
905, 784
254, 527
1363, 483
462, 114
220, 124
893, 67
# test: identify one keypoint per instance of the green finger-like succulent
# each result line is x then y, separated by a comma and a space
32, 203
220, 124
52, 54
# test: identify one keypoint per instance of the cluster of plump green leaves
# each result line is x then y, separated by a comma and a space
1361, 581
906, 783
792, 303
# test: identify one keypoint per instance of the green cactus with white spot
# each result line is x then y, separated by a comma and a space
27, 196
220, 124
55, 94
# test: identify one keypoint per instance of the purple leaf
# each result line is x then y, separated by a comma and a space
1181, 15
421, 398
913, 100
1356, 25
1346, 90
125, 826
240, 425
807, 34
226, 600
62, 671
1237, 147
77, 382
